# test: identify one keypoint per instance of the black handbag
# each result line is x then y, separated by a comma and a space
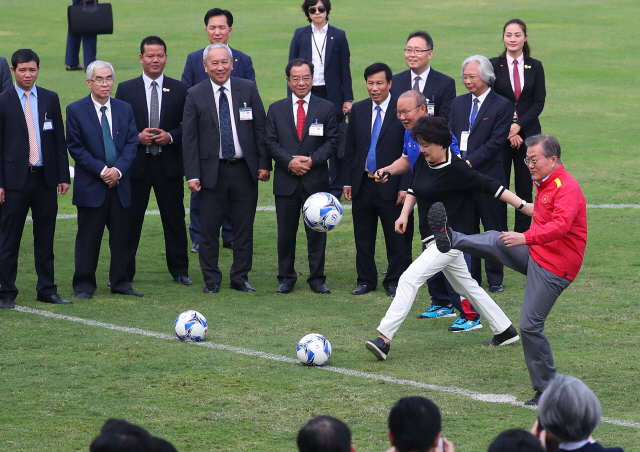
342, 137
95, 19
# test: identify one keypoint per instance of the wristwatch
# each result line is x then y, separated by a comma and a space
522, 205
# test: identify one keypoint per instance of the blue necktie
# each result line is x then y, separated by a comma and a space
474, 112
375, 133
226, 132
109, 147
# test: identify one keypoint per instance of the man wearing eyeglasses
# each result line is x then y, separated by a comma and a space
480, 122
374, 139
550, 253
301, 136
438, 88
102, 138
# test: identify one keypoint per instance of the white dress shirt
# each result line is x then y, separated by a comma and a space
383, 110
295, 100
423, 78
481, 99
147, 90
97, 105
216, 95
520, 60
318, 52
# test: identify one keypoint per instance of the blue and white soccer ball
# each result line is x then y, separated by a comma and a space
314, 350
191, 325
322, 212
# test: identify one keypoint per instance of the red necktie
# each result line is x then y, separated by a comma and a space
302, 117
516, 84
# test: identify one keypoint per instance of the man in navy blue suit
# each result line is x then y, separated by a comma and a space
33, 167
218, 25
102, 138
480, 121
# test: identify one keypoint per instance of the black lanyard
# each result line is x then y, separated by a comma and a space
313, 37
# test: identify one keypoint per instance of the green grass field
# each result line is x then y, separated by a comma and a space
60, 380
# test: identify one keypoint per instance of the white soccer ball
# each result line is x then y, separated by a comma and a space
191, 325
322, 212
314, 350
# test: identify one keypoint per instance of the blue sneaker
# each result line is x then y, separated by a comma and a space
465, 325
435, 312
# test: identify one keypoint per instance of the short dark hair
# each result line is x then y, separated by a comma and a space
414, 423
152, 41
218, 12
424, 35
432, 129
515, 440
378, 67
526, 51
24, 56
298, 62
549, 143
118, 435
308, 3
324, 434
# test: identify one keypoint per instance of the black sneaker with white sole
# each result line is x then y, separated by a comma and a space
508, 336
437, 217
535, 400
378, 347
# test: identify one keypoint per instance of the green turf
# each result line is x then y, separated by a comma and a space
60, 380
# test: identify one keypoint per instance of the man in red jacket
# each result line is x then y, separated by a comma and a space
550, 253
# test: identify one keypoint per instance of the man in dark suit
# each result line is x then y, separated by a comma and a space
480, 122
224, 157
438, 88
102, 139
301, 136
375, 139
218, 25
5, 75
158, 103
33, 164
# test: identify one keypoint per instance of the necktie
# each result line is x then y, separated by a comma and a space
516, 84
474, 112
375, 133
109, 147
226, 132
302, 117
416, 83
34, 155
154, 116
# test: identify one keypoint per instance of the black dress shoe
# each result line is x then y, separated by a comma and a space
228, 245
508, 336
212, 288
131, 292
362, 289
437, 217
284, 288
7, 304
535, 400
497, 288
391, 291
184, 280
83, 296
75, 68
242, 286
196, 247
320, 288
378, 347
55, 299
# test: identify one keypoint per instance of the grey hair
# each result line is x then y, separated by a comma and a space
98, 64
416, 95
218, 45
549, 143
485, 69
569, 409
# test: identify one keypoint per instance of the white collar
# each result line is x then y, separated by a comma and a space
147, 81
383, 106
305, 98
482, 97
216, 87
423, 76
323, 30
98, 105
510, 59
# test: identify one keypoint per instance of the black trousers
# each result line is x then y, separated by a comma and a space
493, 214
235, 186
288, 209
368, 206
170, 196
91, 223
43, 203
522, 181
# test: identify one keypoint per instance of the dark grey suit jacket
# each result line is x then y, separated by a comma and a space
201, 131
283, 144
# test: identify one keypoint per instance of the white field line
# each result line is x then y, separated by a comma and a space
490, 398
348, 207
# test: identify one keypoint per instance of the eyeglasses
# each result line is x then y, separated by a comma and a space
306, 78
533, 162
405, 112
417, 52
101, 80
469, 77
321, 9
